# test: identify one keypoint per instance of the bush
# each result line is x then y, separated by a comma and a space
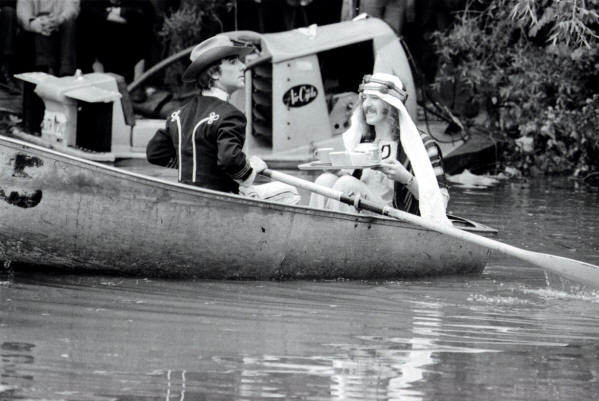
193, 22
532, 67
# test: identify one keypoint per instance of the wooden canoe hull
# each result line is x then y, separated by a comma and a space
61, 211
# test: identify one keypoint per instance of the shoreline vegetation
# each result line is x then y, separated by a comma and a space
528, 71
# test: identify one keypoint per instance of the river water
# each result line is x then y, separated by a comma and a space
512, 333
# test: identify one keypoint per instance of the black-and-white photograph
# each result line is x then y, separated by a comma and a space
257, 200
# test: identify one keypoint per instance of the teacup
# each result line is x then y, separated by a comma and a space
322, 154
340, 158
360, 158
387, 150
371, 152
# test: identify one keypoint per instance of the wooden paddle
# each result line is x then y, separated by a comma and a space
581, 272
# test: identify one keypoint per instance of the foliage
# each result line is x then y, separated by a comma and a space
194, 21
532, 66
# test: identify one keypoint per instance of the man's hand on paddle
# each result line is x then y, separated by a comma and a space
258, 165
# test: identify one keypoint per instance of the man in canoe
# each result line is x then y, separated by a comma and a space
205, 137
410, 176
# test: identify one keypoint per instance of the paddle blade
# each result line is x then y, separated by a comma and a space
575, 270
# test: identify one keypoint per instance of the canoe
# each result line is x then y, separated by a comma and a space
60, 211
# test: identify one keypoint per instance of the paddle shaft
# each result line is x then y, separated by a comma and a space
575, 270
324, 191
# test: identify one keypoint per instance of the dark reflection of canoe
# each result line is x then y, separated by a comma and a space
61, 211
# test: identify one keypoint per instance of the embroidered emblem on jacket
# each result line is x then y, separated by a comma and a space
212, 118
175, 115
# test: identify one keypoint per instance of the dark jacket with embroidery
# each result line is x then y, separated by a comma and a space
205, 140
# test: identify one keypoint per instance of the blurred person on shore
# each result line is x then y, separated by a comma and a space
396, 13
8, 35
116, 33
50, 34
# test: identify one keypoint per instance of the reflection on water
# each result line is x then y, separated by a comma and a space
14, 355
426, 323
512, 333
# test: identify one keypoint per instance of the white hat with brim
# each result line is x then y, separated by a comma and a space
209, 52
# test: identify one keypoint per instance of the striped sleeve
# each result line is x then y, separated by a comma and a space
434, 154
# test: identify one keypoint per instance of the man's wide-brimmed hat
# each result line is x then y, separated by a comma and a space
209, 52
